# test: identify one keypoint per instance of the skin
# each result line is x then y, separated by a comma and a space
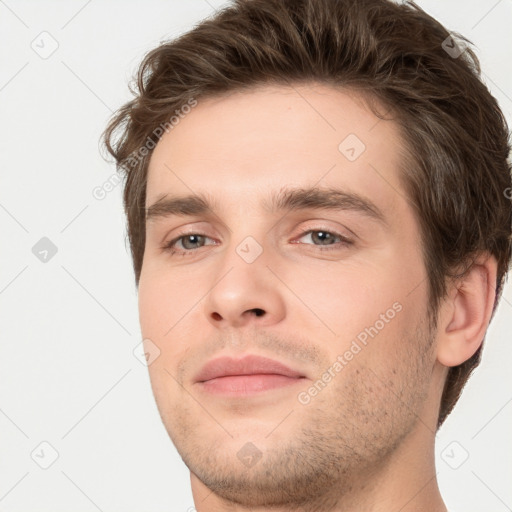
366, 440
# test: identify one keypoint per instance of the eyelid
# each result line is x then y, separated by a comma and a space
318, 225
190, 227
323, 230
179, 236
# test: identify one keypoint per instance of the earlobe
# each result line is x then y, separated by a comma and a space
465, 314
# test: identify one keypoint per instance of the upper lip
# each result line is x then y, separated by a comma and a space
248, 365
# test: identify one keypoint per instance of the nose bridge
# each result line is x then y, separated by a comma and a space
248, 240
243, 264
249, 244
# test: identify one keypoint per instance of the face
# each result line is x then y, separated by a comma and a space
332, 286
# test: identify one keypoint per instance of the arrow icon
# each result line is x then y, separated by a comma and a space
44, 455
351, 147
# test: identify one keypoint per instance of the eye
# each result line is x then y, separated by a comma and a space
326, 239
188, 243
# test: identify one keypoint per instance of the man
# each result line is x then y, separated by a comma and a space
320, 227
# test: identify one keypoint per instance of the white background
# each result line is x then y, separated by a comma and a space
69, 326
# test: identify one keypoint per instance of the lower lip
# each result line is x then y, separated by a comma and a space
238, 385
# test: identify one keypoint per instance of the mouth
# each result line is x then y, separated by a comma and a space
248, 384
249, 375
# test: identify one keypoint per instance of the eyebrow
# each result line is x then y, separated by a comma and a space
286, 199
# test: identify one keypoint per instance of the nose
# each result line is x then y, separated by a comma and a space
245, 294
255, 311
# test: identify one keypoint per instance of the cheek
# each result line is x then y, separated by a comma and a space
345, 297
164, 302
168, 314
374, 301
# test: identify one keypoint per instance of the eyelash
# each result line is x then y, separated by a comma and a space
345, 242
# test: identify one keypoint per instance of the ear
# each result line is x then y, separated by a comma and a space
466, 312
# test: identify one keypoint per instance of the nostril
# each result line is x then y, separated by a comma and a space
258, 311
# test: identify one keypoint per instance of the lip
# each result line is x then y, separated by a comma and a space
248, 365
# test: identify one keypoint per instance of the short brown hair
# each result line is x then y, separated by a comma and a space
456, 173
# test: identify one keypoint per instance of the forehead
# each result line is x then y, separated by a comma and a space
241, 146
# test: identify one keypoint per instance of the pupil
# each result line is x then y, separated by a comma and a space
323, 234
190, 239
